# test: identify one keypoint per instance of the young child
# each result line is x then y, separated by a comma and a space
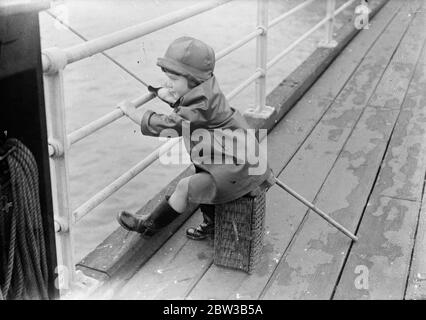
198, 103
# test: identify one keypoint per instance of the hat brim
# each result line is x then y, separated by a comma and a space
183, 69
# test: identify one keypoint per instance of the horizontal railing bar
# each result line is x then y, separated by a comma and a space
243, 85
92, 127
307, 34
295, 43
102, 195
289, 13
89, 48
238, 44
343, 7
114, 115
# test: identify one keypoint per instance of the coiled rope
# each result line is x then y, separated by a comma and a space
25, 268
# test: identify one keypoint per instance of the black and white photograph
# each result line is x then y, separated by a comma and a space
210, 156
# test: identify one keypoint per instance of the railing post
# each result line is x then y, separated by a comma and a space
261, 115
261, 53
55, 102
328, 42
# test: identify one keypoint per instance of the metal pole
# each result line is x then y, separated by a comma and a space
329, 27
261, 54
55, 103
317, 210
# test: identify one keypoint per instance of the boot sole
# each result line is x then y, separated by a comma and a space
202, 237
198, 238
121, 223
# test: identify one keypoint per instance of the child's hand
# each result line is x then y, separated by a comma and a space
127, 107
163, 93
166, 95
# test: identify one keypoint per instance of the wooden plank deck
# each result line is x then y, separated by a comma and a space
355, 145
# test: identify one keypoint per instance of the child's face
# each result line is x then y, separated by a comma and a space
178, 85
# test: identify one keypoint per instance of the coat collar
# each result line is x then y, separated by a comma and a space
204, 91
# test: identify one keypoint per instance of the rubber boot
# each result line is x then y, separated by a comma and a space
206, 228
163, 215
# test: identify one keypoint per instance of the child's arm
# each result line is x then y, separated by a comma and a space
130, 110
154, 123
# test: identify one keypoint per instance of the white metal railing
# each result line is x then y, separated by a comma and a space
54, 61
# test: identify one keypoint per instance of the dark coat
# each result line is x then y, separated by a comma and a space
205, 107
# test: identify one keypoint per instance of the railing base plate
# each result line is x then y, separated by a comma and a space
265, 118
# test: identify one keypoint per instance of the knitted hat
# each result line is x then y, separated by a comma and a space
189, 57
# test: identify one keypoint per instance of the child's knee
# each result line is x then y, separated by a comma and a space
182, 186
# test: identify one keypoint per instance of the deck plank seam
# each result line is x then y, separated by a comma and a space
119, 288
179, 250
282, 257
347, 255
197, 280
422, 198
384, 154
407, 282
120, 281
424, 180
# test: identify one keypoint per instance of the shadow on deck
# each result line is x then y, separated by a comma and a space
355, 145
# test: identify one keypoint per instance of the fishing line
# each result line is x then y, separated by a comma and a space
105, 54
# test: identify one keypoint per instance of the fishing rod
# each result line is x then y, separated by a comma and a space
317, 210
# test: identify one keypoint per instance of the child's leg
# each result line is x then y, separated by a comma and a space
168, 210
206, 228
179, 199
208, 211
